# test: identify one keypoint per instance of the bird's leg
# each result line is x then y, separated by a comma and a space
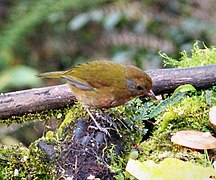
108, 119
96, 123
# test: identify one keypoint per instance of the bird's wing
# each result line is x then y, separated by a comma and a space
79, 83
97, 74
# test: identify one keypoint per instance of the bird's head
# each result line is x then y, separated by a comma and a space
138, 82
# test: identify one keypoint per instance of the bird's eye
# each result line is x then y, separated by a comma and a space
138, 87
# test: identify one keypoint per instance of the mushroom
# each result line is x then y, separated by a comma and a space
212, 117
194, 139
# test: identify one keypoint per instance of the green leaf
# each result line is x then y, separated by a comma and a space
184, 88
170, 168
167, 102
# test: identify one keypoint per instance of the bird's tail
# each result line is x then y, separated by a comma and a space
57, 74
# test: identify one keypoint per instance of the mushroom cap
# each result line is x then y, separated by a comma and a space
212, 117
194, 139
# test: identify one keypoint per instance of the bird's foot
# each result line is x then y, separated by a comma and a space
102, 129
106, 117
98, 126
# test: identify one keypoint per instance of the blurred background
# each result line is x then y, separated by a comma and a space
38, 36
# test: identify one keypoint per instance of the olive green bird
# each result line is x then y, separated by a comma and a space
104, 84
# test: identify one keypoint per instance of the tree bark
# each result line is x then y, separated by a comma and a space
54, 97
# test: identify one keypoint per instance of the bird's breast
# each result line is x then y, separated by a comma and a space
106, 97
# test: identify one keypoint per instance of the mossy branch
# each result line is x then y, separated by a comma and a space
54, 97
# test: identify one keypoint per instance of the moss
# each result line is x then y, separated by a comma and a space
39, 116
75, 113
20, 162
196, 57
190, 113
17, 163
159, 147
43, 164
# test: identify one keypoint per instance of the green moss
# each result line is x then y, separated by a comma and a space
42, 163
39, 116
190, 113
75, 113
18, 163
196, 57
159, 147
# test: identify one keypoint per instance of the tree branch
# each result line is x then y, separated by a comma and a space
37, 99
166, 80
54, 97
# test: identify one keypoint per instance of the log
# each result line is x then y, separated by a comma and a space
55, 97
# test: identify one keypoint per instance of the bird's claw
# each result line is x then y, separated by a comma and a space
98, 127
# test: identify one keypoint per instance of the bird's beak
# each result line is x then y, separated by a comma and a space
151, 94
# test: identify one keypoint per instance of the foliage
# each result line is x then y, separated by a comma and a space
196, 57
22, 24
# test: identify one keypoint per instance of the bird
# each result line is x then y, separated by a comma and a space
105, 84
